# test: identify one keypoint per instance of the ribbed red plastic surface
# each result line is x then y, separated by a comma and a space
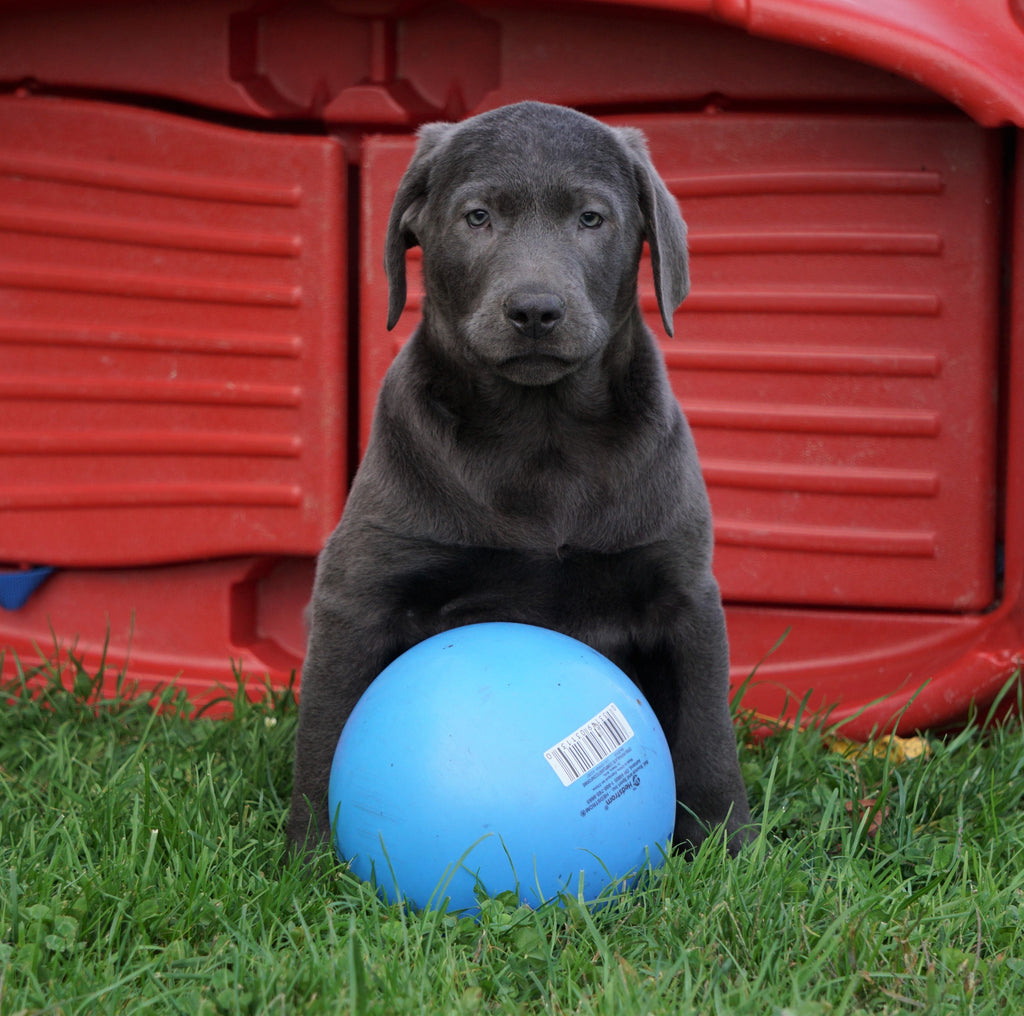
172, 339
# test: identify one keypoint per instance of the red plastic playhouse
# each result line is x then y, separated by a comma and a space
192, 307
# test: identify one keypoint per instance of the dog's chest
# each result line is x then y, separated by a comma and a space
547, 506
573, 590
578, 490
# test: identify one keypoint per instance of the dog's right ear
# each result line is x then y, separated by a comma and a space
407, 206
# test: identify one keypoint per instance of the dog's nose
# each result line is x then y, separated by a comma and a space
534, 314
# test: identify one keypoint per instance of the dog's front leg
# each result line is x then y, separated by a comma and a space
692, 703
343, 657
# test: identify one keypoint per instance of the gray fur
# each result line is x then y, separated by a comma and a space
528, 460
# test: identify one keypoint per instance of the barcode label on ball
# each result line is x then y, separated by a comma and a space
583, 749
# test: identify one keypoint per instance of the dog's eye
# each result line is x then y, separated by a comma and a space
590, 220
477, 218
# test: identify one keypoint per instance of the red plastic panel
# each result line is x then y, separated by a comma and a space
399, 64
172, 342
836, 356
969, 52
170, 49
201, 626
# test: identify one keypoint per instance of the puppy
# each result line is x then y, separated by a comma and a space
528, 461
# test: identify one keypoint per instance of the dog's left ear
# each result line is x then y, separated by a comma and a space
664, 229
408, 204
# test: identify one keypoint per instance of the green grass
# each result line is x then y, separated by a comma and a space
143, 870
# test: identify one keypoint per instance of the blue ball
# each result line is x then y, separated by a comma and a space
501, 757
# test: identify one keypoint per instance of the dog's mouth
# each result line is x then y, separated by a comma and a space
536, 369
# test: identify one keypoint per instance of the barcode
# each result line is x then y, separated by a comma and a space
577, 754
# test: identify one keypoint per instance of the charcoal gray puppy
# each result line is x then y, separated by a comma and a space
528, 461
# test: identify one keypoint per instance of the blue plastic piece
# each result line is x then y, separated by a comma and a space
17, 586
501, 757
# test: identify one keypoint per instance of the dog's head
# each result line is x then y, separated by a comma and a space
532, 218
